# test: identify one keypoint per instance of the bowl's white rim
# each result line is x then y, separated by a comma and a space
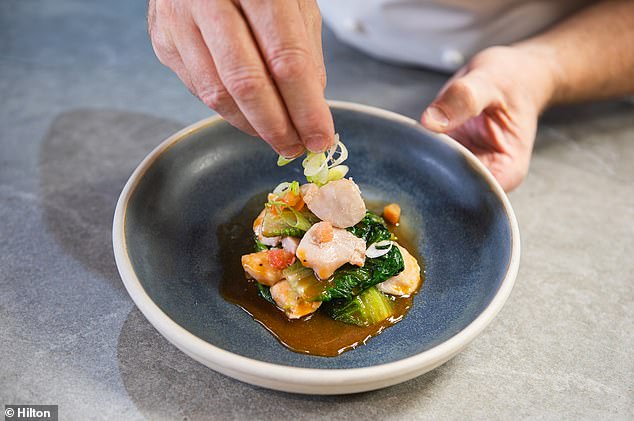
299, 379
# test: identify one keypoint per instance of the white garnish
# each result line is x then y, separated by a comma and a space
338, 172
379, 249
343, 153
314, 163
282, 188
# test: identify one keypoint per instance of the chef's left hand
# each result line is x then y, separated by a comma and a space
491, 106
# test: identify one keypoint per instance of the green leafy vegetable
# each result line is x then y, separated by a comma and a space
371, 228
259, 246
350, 280
287, 222
384, 267
265, 292
304, 282
281, 218
366, 309
346, 283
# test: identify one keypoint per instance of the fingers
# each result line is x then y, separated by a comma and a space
175, 63
242, 72
260, 67
463, 98
162, 43
312, 20
203, 77
283, 38
508, 167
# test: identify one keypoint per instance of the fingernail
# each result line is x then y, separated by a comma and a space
437, 116
292, 151
317, 142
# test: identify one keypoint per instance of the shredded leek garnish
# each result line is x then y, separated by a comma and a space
337, 172
379, 249
294, 187
284, 187
281, 161
314, 163
322, 167
281, 188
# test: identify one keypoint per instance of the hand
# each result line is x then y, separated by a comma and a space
491, 106
258, 64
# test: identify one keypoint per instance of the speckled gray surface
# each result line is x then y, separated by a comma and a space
69, 334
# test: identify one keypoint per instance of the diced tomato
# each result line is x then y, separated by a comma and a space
392, 213
291, 198
300, 204
280, 258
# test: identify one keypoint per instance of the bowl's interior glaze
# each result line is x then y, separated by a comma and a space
174, 216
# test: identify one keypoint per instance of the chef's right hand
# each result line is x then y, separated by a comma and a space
258, 64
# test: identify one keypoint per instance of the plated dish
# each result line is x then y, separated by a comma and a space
336, 270
185, 218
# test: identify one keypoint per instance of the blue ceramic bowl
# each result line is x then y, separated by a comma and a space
171, 210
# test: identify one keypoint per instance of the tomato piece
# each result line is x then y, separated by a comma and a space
291, 198
300, 204
280, 258
392, 213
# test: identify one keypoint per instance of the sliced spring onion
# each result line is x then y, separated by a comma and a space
379, 249
294, 187
284, 187
338, 172
281, 188
314, 163
320, 178
277, 205
331, 152
343, 153
320, 168
281, 161
271, 203
296, 220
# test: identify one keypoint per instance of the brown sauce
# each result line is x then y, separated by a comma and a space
317, 334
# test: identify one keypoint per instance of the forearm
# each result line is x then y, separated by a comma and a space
589, 56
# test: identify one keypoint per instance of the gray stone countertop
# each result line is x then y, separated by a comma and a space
71, 336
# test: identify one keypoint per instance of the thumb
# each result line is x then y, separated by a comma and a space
462, 98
